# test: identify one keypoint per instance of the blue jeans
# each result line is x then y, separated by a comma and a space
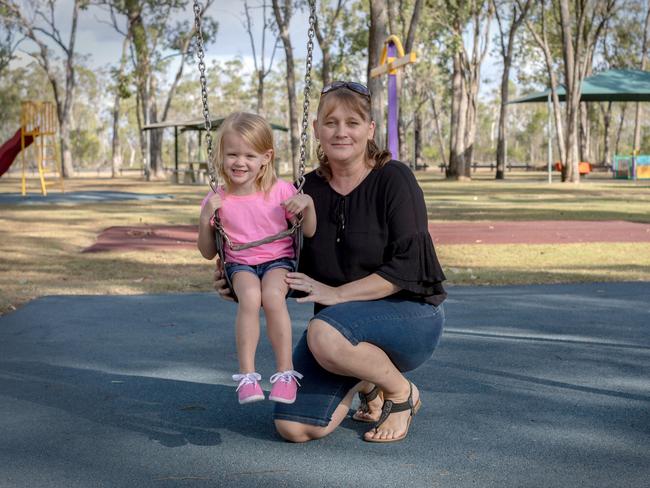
259, 269
408, 332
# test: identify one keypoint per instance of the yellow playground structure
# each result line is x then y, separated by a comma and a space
38, 139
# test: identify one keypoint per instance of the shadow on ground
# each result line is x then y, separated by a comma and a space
531, 386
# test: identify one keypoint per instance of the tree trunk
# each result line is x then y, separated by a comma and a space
283, 26
330, 19
619, 131
155, 141
506, 54
607, 122
436, 119
116, 154
458, 119
644, 57
417, 137
376, 37
470, 132
143, 73
583, 139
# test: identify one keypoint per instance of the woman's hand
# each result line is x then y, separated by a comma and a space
220, 283
315, 290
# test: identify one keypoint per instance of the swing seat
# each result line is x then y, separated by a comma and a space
220, 242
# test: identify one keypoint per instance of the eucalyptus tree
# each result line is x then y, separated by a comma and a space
155, 39
576, 28
261, 68
642, 65
38, 23
509, 17
8, 41
283, 13
326, 31
465, 21
377, 32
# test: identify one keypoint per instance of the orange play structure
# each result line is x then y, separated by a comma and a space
584, 168
36, 140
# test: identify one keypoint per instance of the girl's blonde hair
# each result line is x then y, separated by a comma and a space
375, 157
257, 132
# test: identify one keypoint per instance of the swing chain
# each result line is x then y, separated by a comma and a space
200, 53
307, 94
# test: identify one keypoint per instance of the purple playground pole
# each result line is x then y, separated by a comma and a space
393, 105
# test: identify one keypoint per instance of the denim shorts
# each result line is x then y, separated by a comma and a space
259, 269
407, 331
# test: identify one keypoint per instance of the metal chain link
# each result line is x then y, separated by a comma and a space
200, 53
307, 94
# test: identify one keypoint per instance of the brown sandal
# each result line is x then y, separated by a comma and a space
390, 407
363, 406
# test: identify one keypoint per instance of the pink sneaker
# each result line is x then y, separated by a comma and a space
285, 386
249, 389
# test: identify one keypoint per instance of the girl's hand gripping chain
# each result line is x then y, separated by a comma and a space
211, 206
303, 203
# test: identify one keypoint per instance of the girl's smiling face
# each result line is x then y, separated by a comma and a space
242, 164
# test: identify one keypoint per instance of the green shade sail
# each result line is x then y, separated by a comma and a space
614, 85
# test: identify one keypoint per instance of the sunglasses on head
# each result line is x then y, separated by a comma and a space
350, 85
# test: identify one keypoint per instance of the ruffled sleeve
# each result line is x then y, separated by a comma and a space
410, 260
413, 265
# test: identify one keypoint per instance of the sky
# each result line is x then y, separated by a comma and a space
99, 40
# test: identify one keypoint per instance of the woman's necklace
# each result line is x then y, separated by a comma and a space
346, 189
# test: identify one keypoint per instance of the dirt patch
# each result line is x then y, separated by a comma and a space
531, 232
539, 232
142, 238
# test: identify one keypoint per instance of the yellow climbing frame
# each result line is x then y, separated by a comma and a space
38, 121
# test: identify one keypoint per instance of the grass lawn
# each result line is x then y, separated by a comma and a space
41, 244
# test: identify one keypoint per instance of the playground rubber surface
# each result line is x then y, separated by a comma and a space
529, 232
531, 386
78, 197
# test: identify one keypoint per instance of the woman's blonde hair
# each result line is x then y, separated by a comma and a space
257, 132
375, 157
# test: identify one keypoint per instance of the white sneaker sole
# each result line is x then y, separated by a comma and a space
282, 400
251, 399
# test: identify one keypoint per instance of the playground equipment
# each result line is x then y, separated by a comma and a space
584, 168
38, 125
10, 149
38, 121
389, 63
631, 167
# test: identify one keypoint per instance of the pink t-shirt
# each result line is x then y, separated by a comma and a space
248, 218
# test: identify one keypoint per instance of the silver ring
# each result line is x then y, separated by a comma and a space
311, 289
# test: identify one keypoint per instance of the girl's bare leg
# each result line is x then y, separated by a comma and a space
247, 325
278, 322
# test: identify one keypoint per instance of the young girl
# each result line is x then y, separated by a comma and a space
253, 203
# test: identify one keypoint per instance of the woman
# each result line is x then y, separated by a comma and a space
373, 275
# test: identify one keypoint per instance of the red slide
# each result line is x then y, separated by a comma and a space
10, 149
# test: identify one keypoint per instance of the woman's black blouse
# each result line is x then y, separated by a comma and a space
380, 227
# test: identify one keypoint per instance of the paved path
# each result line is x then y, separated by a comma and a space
532, 386
76, 197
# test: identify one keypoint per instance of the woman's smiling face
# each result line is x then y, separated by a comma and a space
343, 133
